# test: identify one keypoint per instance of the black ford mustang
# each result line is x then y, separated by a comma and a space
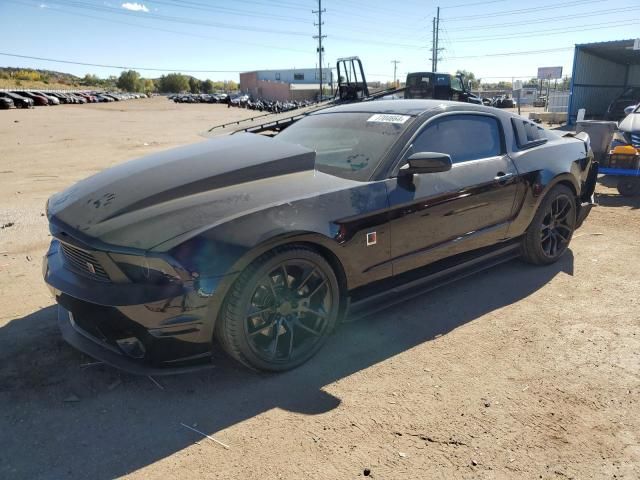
266, 243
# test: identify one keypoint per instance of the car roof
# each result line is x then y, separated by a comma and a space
408, 107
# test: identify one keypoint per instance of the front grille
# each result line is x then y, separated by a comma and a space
635, 140
84, 262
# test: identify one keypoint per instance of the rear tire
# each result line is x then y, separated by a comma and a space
629, 187
281, 309
550, 232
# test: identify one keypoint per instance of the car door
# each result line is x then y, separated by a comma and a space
436, 215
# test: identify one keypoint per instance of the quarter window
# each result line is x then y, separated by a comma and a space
463, 137
528, 134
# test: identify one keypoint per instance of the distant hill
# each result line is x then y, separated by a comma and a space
14, 78
11, 77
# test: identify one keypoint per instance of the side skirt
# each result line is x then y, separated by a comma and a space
368, 300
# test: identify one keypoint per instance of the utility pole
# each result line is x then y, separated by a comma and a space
434, 53
395, 67
437, 33
320, 11
435, 42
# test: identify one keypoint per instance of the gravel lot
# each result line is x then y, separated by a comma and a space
517, 372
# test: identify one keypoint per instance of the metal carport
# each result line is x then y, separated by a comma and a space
601, 72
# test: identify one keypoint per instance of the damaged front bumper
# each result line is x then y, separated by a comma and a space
588, 191
102, 351
583, 212
140, 329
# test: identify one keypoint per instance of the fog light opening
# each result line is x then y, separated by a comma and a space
132, 347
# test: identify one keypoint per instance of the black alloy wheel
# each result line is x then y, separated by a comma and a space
557, 226
280, 311
629, 186
551, 230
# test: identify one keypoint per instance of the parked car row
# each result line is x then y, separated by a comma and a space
199, 98
240, 101
31, 98
268, 106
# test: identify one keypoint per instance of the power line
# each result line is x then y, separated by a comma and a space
553, 31
448, 41
274, 3
549, 19
387, 12
229, 11
523, 10
472, 4
168, 18
121, 67
375, 42
189, 21
160, 29
508, 54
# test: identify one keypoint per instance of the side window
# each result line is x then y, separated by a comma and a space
463, 137
456, 84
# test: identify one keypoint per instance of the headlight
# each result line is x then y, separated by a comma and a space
146, 270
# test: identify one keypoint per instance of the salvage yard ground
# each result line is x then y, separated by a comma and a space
518, 372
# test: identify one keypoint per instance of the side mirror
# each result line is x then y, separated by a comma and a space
426, 162
629, 110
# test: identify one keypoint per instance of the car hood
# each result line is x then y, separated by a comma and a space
145, 202
631, 123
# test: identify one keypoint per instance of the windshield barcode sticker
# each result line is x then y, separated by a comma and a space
388, 118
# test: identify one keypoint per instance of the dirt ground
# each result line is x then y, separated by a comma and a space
517, 372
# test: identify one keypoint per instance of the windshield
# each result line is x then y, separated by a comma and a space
348, 145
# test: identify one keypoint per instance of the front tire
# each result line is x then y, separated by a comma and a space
551, 230
629, 187
281, 309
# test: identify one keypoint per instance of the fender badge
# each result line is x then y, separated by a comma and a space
372, 238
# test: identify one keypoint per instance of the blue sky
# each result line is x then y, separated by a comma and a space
240, 35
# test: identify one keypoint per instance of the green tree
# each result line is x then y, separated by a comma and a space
129, 81
90, 79
207, 86
173, 83
194, 85
149, 86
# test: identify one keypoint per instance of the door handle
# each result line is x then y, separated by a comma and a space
502, 177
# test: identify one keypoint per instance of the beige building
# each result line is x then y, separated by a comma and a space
284, 85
